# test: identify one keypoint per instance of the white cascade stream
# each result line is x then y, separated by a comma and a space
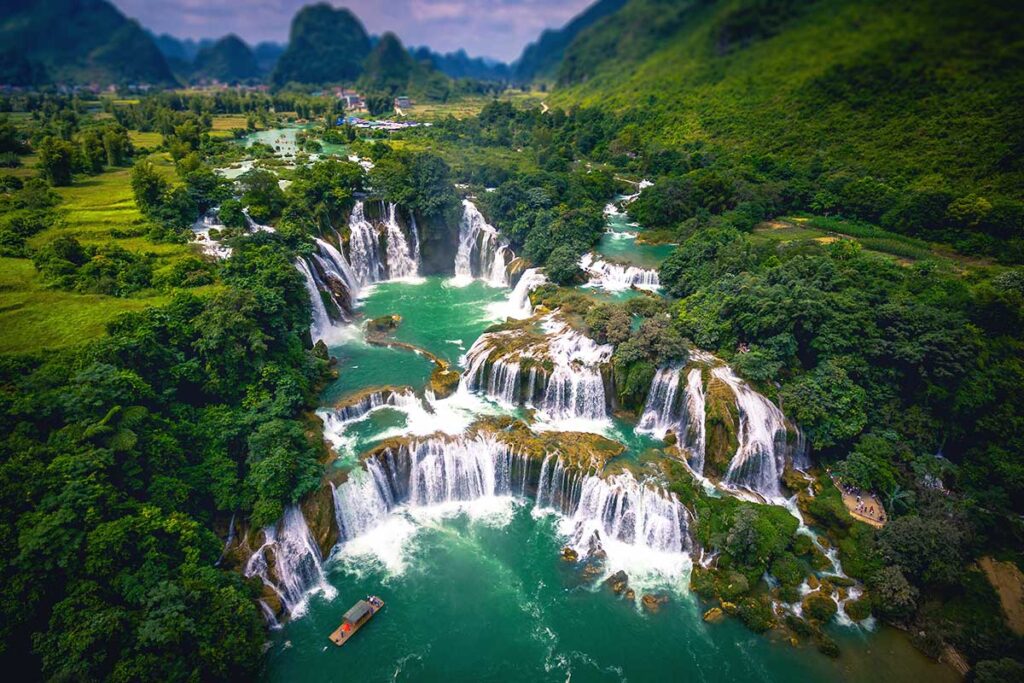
481, 254
298, 567
666, 410
615, 277
761, 455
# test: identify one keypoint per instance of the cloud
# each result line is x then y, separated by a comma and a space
495, 28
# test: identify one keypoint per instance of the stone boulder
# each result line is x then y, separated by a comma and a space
618, 582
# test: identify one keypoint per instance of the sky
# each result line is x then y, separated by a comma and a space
491, 28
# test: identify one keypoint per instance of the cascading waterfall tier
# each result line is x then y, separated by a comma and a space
402, 259
564, 370
438, 471
372, 262
321, 318
617, 277
619, 508
297, 565
682, 413
481, 254
763, 437
766, 440
364, 247
518, 306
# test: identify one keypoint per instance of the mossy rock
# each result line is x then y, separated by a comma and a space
702, 582
386, 324
859, 609
730, 585
825, 644
819, 606
722, 427
318, 510
714, 615
444, 381
756, 614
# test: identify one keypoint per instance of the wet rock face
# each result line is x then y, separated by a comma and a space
570, 555
444, 381
384, 325
722, 428
318, 509
653, 603
618, 582
713, 615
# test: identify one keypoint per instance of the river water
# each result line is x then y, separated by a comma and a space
479, 591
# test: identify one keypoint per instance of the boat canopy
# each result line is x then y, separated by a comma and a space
358, 611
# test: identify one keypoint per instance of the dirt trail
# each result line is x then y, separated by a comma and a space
1008, 581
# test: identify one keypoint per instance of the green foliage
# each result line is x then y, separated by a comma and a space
109, 269
118, 455
827, 405
561, 266
56, 161
756, 613
820, 606
419, 181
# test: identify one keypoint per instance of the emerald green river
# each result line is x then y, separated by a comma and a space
478, 591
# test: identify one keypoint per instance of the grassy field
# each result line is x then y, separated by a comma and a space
465, 107
95, 209
149, 140
33, 317
825, 229
223, 125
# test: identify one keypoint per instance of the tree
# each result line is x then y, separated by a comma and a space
56, 160
148, 186
827, 405
562, 265
894, 596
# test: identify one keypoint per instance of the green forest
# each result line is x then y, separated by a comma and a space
838, 187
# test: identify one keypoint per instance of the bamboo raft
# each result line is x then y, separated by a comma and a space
355, 618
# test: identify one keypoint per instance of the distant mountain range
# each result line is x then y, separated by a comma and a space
82, 41
90, 41
542, 58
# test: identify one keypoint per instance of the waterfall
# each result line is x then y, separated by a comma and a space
364, 247
321, 319
575, 392
558, 487
575, 388
618, 277
619, 508
294, 568
481, 253
498, 378
666, 411
761, 455
519, 306
335, 263
402, 259
374, 400
695, 429
661, 411
428, 473
363, 501
461, 470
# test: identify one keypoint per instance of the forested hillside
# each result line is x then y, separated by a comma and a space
325, 46
917, 100
76, 40
541, 58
